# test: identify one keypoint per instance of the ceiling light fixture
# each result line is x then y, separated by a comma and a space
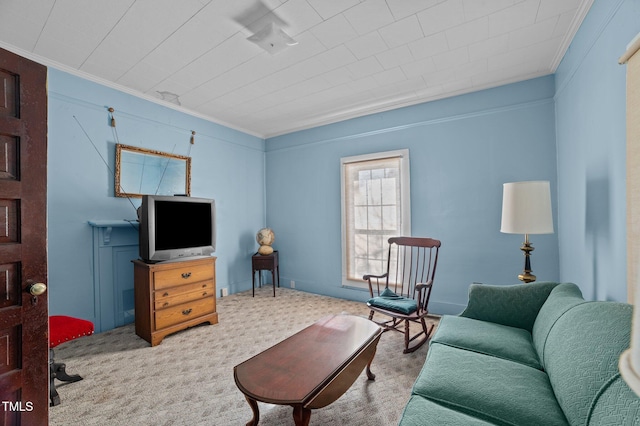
272, 39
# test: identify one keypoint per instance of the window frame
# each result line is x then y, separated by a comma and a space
405, 203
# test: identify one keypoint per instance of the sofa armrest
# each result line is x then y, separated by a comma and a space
513, 305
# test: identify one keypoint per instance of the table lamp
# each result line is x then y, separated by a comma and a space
526, 209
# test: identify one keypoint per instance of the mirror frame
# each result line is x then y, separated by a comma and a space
119, 192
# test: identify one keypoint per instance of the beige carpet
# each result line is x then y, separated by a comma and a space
188, 378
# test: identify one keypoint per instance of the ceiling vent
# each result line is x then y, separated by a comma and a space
272, 39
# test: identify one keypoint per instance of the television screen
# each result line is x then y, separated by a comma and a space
176, 227
182, 225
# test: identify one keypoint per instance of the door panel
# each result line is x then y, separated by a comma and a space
24, 342
8, 104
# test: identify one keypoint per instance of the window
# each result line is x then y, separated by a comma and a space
375, 207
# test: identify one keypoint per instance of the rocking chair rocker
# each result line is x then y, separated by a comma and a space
403, 292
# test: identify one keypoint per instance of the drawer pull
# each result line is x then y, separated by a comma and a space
204, 294
186, 275
165, 304
186, 311
165, 294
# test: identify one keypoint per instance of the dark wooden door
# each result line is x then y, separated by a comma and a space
24, 341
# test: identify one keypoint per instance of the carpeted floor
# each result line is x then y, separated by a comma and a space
188, 378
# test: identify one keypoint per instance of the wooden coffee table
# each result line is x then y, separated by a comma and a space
310, 369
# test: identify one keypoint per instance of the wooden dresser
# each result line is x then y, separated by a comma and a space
172, 296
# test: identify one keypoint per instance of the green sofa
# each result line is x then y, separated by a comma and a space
530, 354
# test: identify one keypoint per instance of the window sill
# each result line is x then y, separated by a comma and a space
355, 285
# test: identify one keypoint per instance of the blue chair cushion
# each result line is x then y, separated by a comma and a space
391, 301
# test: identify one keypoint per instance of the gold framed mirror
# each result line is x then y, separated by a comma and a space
141, 171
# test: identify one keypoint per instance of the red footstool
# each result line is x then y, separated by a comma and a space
63, 329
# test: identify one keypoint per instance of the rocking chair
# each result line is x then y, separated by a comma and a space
403, 292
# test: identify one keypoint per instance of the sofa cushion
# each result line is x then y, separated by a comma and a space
562, 298
582, 353
489, 388
616, 404
512, 305
420, 411
488, 338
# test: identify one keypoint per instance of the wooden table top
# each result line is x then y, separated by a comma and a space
294, 370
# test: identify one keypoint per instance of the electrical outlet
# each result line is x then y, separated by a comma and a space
292, 284
224, 292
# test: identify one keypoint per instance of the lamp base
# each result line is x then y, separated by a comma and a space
526, 275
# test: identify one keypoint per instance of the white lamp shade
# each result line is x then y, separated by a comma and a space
526, 208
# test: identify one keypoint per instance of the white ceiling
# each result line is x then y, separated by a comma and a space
354, 57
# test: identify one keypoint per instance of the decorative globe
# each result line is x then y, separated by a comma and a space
265, 250
265, 237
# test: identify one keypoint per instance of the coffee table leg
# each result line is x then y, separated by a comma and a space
301, 415
370, 375
256, 411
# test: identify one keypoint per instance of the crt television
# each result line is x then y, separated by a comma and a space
176, 227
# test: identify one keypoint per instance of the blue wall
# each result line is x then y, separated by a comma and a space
462, 150
227, 165
590, 117
567, 128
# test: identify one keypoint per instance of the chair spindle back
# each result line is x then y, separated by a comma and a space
411, 261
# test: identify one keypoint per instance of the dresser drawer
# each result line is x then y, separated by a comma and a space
198, 291
180, 276
184, 312
161, 294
